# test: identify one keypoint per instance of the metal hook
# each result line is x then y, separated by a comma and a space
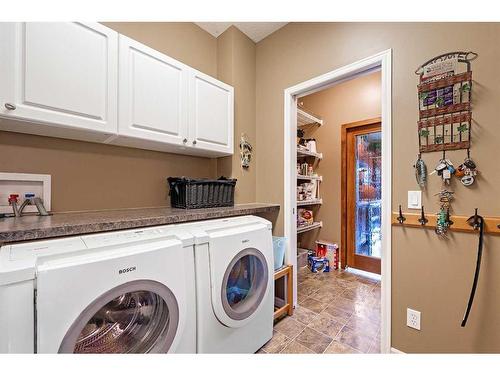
423, 220
473, 221
401, 219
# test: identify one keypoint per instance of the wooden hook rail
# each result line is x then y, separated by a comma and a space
491, 223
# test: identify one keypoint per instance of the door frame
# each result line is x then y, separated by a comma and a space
382, 61
343, 184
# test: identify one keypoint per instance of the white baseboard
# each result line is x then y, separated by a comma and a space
396, 351
369, 275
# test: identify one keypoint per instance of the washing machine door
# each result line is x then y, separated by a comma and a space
241, 278
137, 317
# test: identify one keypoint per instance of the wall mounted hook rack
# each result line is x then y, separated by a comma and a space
460, 224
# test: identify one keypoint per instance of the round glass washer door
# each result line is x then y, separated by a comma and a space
244, 284
137, 317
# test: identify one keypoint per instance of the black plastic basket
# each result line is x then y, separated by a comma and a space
201, 193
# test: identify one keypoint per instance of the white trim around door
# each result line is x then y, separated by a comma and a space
382, 61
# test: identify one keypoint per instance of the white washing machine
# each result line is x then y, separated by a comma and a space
119, 292
234, 284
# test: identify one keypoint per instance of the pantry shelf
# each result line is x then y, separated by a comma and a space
310, 178
303, 153
309, 202
305, 118
309, 227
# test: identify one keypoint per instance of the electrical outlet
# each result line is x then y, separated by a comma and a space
413, 319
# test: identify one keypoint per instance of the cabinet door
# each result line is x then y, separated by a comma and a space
63, 75
211, 114
153, 94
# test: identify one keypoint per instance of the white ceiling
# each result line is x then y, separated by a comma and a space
254, 30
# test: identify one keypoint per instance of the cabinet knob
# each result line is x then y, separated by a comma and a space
10, 106
194, 142
184, 140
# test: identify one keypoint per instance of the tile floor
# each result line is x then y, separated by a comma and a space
338, 312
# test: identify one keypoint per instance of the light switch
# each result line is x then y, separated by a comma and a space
415, 200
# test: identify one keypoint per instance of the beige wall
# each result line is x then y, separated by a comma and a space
236, 67
88, 176
354, 100
429, 274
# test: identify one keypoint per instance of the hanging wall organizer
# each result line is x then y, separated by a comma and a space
444, 94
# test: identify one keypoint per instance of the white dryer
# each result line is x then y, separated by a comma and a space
119, 292
234, 284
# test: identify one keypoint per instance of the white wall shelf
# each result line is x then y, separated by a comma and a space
303, 153
305, 118
307, 228
309, 202
310, 178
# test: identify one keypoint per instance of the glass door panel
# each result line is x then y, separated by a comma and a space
368, 177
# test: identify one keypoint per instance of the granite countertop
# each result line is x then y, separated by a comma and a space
35, 227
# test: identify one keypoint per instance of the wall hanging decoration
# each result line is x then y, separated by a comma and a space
245, 151
420, 172
444, 94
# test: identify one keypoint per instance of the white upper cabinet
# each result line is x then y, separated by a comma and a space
153, 94
85, 81
211, 114
62, 74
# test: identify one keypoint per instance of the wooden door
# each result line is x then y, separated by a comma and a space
361, 208
153, 95
63, 74
211, 114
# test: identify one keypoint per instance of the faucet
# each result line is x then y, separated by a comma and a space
13, 202
29, 198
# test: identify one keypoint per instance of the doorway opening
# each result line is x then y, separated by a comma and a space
377, 240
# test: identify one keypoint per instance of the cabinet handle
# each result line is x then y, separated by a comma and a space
10, 106
184, 140
194, 142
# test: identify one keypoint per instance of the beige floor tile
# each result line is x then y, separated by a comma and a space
337, 347
326, 294
295, 348
354, 339
366, 280
313, 340
289, 327
303, 315
314, 305
345, 304
277, 343
367, 311
375, 348
339, 314
363, 326
326, 325
354, 295
301, 297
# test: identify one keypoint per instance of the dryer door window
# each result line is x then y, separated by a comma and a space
244, 284
137, 317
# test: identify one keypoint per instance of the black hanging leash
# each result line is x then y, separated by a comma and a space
476, 222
